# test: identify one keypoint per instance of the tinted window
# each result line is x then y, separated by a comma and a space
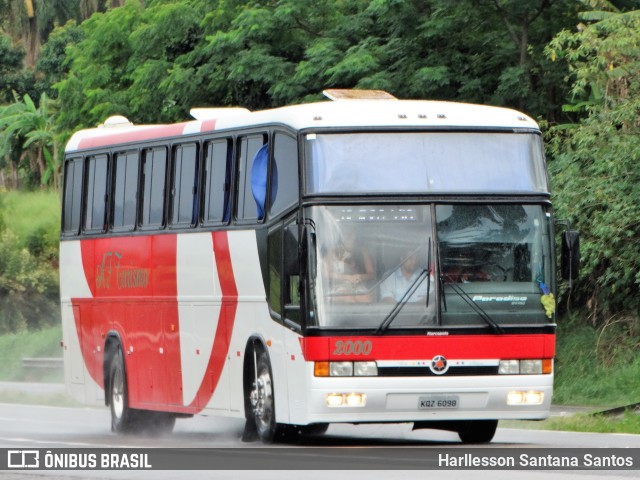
125, 190
184, 192
251, 182
72, 196
284, 173
153, 185
275, 270
96, 193
217, 181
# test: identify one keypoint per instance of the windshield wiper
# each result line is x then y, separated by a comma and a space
391, 316
403, 301
476, 308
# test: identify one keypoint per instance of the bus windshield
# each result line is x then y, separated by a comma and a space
428, 266
421, 162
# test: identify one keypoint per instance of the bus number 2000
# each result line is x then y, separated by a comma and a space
350, 347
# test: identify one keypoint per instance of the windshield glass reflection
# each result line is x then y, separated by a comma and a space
383, 267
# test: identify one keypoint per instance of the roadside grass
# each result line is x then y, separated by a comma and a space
40, 343
49, 399
628, 422
18, 209
596, 367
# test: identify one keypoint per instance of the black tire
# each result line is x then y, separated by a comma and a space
260, 402
123, 418
128, 420
478, 431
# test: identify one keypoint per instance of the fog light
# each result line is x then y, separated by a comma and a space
335, 400
534, 397
356, 399
515, 398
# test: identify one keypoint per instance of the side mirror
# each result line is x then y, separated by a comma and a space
570, 255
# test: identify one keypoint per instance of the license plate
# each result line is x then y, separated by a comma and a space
436, 402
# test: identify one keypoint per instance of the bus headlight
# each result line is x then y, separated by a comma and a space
530, 367
526, 367
509, 367
365, 369
345, 369
340, 369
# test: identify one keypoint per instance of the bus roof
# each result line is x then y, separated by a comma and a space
355, 113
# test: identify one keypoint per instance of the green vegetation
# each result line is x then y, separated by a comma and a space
29, 233
23, 398
594, 164
629, 422
597, 367
29, 344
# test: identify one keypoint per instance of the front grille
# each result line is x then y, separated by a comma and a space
425, 372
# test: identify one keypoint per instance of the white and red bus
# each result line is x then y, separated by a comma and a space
256, 265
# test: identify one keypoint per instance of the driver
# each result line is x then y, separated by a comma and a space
402, 279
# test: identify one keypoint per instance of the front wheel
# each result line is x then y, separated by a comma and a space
478, 431
261, 398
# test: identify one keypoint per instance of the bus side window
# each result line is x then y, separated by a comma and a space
274, 280
218, 156
154, 167
248, 179
96, 193
184, 185
284, 273
125, 189
284, 173
72, 196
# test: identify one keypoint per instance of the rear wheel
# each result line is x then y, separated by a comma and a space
128, 420
478, 431
122, 417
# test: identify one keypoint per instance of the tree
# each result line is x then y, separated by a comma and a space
594, 164
12, 76
27, 139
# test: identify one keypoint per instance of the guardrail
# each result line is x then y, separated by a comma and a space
44, 363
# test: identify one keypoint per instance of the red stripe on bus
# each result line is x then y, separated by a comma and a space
137, 135
426, 347
208, 125
226, 320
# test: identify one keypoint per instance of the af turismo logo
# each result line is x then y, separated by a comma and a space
23, 459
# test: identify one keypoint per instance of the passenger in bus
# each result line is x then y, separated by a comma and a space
405, 278
350, 270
